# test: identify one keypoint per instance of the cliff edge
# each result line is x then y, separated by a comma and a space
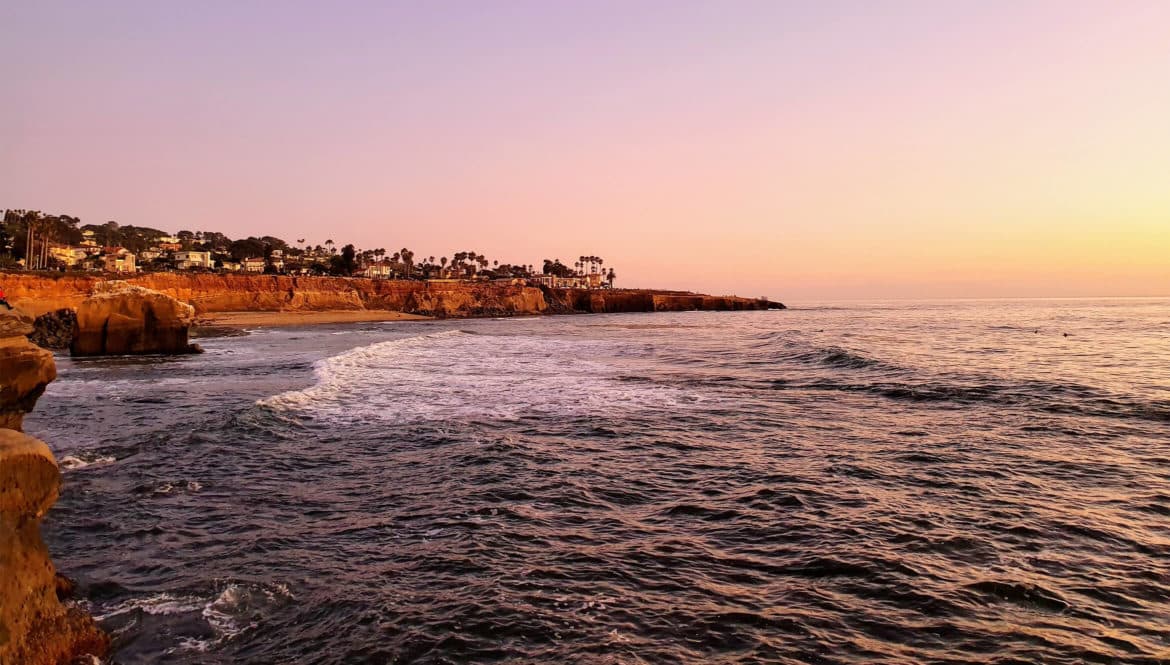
35, 627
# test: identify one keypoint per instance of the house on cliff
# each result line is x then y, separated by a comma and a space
575, 282
191, 259
119, 259
379, 270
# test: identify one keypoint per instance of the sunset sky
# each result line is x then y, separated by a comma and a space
804, 151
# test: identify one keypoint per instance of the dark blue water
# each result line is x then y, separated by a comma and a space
890, 482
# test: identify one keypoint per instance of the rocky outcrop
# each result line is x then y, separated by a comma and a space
25, 369
121, 319
35, 627
644, 300
54, 330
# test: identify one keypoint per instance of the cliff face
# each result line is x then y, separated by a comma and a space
121, 318
209, 293
35, 628
273, 293
38, 293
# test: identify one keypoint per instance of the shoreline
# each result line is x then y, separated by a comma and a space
301, 318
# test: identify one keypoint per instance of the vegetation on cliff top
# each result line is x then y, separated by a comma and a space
27, 238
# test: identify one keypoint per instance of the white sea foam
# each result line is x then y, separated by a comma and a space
235, 609
82, 460
162, 603
455, 375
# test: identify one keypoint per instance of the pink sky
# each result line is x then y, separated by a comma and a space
798, 150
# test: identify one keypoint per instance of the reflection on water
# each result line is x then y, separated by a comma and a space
885, 482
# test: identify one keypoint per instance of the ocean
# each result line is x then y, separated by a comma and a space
882, 482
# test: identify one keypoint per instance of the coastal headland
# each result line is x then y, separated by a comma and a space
307, 299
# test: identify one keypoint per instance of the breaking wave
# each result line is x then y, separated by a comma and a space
463, 375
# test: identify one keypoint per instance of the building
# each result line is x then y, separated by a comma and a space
379, 270
575, 282
253, 265
542, 280
71, 256
189, 260
120, 262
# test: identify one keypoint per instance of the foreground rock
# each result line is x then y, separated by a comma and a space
123, 319
35, 628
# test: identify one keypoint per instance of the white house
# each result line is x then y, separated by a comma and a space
188, 260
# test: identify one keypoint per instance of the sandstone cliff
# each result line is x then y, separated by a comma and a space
35, 628
121, 318
209, 293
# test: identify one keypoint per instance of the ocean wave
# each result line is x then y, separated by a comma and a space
461, 376
835, 356
1050, 398
227, 613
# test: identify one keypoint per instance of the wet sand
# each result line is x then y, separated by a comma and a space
251, 319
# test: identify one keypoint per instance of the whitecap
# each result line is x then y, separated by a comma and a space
454, 375
162, 603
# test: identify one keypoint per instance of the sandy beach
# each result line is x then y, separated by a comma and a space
251, 319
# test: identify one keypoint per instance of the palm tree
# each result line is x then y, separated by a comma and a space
408, 259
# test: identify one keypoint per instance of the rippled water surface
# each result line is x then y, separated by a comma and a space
973, 482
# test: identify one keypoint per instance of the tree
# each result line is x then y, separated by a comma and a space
557, 269
348, 263
248, 248
610, 277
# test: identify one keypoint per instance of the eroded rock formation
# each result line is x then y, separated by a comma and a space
35, 627
121, 318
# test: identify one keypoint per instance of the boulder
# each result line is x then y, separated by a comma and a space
123, 319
